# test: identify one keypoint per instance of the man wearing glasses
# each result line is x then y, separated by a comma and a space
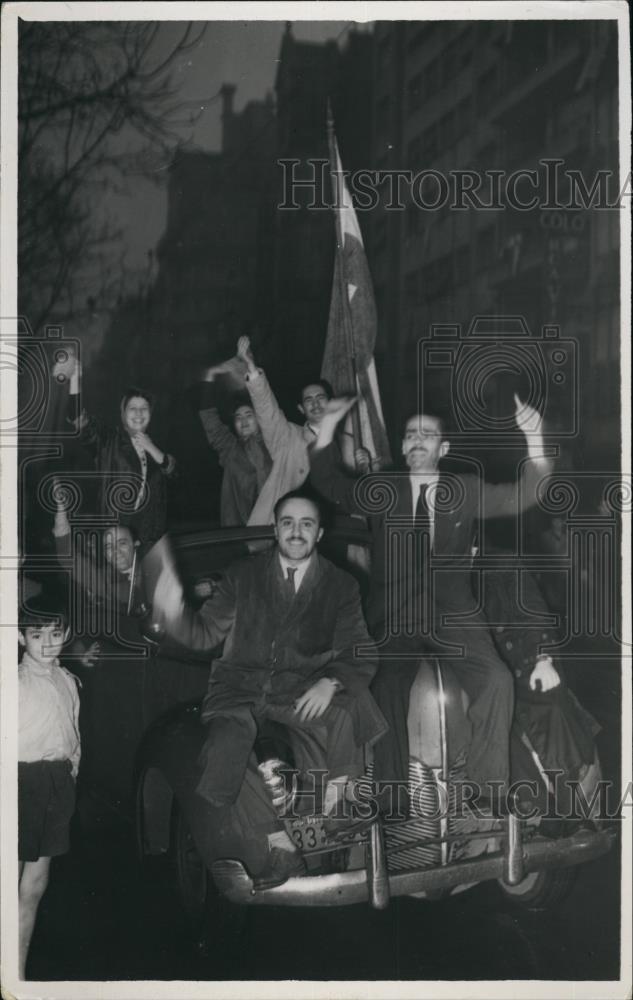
423, 522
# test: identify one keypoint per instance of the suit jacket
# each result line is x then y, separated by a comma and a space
101, 583
408, 586
276, 648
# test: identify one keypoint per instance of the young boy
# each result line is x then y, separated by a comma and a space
48, 757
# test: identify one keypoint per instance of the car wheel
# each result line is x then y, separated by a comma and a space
217, 926
190, 872
540, 890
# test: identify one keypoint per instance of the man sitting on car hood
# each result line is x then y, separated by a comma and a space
293, 633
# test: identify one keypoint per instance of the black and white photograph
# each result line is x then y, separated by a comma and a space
316, 494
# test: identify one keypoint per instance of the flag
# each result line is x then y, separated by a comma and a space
348, 359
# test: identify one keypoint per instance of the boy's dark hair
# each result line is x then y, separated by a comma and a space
299, 494
131, 392
238, 400
45, 609
322, 382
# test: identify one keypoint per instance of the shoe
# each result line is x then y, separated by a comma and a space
281, 866
346, 826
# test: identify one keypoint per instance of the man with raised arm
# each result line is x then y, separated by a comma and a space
423, 521
297, 652
287, 443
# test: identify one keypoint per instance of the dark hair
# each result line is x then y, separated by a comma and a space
443, 422
238, 400
322, 382
44, 609
122, 527
131, 392
299, 494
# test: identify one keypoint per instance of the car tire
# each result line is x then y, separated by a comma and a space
541, 890
191, 879
216, 925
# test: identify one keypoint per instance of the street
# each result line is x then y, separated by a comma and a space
101, 921
103, 918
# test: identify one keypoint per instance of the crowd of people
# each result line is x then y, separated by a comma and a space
299, 644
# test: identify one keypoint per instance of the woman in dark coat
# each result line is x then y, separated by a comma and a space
133, 470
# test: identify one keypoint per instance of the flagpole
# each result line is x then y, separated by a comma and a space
347, 322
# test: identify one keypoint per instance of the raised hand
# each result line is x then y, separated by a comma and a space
337, 408
169, 601
528, 419
334, 411
91, 657
244, 351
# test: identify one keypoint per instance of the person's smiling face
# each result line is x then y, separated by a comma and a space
136, 415
43, 643
297, 529
313, 403
423, 444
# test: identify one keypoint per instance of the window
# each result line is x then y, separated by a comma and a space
447, 130
414, 154
411, 288
487, 87
465, 53
431, 79
463, 115
418, 33
461, 266
449, 63
413, 220
414, 93
380, 234
383, 113
430, 143
384, 52
485, 247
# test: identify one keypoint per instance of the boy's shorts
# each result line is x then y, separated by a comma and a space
46, 803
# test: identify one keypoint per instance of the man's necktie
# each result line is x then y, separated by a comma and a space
289, 581
422, 509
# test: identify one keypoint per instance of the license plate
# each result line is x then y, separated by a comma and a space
307, 833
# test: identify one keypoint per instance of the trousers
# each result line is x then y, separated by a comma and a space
325, 744
482, 675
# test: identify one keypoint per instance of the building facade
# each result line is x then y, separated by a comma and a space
490, 100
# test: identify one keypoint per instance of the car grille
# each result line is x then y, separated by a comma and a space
432, 817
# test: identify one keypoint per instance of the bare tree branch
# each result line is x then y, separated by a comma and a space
89, 93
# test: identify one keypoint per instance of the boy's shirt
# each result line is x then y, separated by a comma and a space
48, 713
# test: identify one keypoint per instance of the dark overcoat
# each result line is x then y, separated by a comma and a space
275, 648
401, 573
119, 467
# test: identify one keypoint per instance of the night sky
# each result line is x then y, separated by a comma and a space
240, 52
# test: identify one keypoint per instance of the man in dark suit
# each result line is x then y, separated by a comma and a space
297, 652
423, 524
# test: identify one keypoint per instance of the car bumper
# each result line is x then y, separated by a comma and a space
348, 888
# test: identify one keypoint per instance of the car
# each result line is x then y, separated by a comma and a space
435, 852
